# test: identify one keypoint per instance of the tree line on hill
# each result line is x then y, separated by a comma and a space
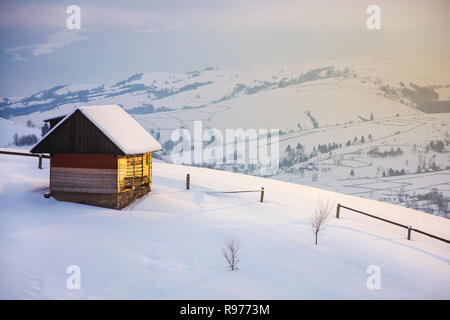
25, 140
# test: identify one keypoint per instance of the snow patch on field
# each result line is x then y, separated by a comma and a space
168, 245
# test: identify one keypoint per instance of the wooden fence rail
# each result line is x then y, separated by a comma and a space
27, 154
409, 228
261, 199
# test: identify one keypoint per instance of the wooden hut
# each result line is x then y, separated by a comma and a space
99, 155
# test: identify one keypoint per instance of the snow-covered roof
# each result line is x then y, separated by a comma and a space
122, 129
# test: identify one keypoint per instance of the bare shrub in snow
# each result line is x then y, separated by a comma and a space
231, 254
320, 217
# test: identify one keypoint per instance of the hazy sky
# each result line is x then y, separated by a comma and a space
125, 37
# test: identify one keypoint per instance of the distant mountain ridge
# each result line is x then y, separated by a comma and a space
61, 95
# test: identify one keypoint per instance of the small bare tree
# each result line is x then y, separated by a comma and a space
320, 217
231, 254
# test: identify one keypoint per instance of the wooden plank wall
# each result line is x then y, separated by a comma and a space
93, 161
83, 173
133, 171
100, 173
83, 180
149, 169
77, 135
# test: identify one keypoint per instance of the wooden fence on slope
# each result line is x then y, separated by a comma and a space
409, 228
27, 154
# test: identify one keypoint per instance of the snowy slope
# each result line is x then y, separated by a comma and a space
9, 128
168, 245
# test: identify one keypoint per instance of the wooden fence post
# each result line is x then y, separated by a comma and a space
409, 232
188, 181
338, 209
262, 194
40, 161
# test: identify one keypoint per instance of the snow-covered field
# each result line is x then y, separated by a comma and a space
340, 101
168, 245
9, 128
412, 134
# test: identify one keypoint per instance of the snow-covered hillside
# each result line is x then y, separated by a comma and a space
375, 127
168, 245
9, 128
392, 159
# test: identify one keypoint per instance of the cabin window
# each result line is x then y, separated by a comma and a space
146, 159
